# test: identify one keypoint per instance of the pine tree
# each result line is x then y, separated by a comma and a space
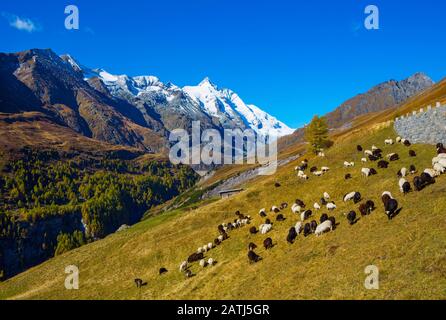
316, 134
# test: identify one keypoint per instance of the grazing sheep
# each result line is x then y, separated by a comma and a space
313, 226
433, 173
296, 208
393, 157
139, 283
355, 196
388, 142
390, 207
407, 143
292, 235
211, 262
318, 173
373, 158
316, 206
321, 154
188, 274
351, 217
364, 160
323, 202
365, 172
202, 263
398, 139
210, 246
300, 203
195, 257
277, 185
348, 176
348, 164
378, 153
368, 153
298, 227
221, 238
253, 257
412, 154
305, 215
253, 230
331, 206
268, 243
283, 206
359, 148
280, 218
440, 148
402, 173
404, 186
274, 209
268, 221
326, 226
326, 196
200, 250
183, 266
439, 168
382, 164
412, 169
304, 177
367, 208
325, 169
217, 242
313, 169
252, 246
307, 230
323, 218
333, 222
265, 228
262, 213
162, 271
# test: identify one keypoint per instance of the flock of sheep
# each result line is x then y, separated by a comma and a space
325, 223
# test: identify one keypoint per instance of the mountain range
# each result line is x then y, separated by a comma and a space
139, 112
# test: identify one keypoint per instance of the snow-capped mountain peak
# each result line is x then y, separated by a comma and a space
224, 106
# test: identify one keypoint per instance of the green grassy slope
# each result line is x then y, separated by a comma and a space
410, 251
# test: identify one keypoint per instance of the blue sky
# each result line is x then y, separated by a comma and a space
292, 58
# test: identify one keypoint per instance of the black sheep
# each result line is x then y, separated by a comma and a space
253, 230
440, 148
351, 217
253, 257
162, 271
277, 185
307, 230
383, 164
195, 257
333, 222
359, 148
313, 169
348, 176
139, 283
373, 158
406, 187
323, 218
217, 242
412, 169
306, 214
394, 157
313, 226
280, 218
391, 206
221, 229
377, 153
357, 197
300, 203
418, 183
252, 246
373, 172
323, 202
292, 235
268, 221
263, 214
407, 143
412, 153
283, 206
268, 243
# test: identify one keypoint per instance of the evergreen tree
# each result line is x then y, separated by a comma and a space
316, 134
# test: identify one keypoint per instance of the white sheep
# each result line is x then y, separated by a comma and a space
211, 262
318, 173
364, 160
438, 167
205, 248
325, 169
348, 164
316, 206
200, 250
262, 211
220, 238
387, 193
365, 172
349, 196
324, 227
374, 148
210, 246
265, 228
403, 172
388, 142
296, 208
326, 196
398, 139
321, 154
368, 153
331, 206
433, 173
298, 227
304, 177
202, 263
183, 266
